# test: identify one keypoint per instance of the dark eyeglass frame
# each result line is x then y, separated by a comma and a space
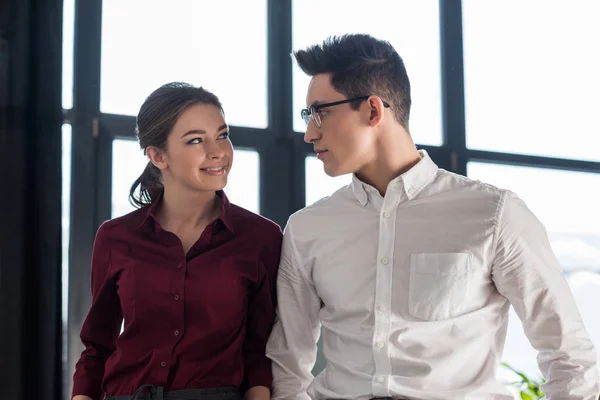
313, 111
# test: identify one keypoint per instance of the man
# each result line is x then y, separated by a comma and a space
410, 270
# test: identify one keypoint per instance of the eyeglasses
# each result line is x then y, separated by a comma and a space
314, 110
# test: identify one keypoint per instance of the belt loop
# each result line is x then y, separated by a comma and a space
158, 390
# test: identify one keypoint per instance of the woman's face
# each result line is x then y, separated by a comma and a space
198, 154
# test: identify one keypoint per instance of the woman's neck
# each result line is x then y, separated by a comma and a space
187, 210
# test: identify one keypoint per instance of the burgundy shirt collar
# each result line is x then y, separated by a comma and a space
224, 215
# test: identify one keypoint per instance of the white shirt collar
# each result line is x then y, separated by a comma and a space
413, 180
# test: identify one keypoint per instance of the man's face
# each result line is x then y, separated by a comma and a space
344, 141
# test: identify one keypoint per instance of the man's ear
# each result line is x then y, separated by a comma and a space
376, 109
156, 157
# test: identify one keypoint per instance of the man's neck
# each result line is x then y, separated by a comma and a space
395, 155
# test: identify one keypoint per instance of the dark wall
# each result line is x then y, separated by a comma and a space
30, 199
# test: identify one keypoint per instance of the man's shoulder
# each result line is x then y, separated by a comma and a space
452, 182
329, 208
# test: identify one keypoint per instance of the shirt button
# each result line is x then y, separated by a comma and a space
386, 215
176, 333
380, 344
180, 265
163, 364
380, 379
382, 307
385, 261
176, 297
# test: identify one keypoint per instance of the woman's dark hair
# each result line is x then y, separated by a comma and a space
156, 119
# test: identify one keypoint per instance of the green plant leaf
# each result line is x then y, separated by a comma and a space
533, 387
525, 396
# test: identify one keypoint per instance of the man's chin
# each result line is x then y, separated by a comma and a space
332, 172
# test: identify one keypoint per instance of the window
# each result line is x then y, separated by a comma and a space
219, 45
566, 203
533, 88
412, 28
66, 209
129, 162
318, 184
65, 231
243, 186
67, 53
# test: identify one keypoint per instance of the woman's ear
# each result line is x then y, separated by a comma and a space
156, 157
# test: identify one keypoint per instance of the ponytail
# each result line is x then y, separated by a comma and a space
150, 183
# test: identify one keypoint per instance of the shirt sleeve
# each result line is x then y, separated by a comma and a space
102, 324
261, 315
292, 346
527, 273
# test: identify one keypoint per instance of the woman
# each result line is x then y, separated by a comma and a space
190, 275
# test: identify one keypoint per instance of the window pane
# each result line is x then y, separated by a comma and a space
220, 45
243, 185
412, 28
318, 183
67, 53
533, 88
129, 162
566, 203
65, 232
66, 210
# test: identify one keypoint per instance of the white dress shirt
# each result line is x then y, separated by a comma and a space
412, 291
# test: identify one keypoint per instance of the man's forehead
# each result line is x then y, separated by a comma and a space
320, 90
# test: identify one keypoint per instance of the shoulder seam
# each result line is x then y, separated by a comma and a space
296, 255
497, 216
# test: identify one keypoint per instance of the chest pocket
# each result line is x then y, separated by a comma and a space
439, 283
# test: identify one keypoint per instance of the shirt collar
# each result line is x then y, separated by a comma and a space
413, 180
225, 214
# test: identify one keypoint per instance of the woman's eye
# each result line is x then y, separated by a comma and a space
195, 141
224, 135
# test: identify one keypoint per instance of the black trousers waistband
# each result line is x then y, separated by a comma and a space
151, 392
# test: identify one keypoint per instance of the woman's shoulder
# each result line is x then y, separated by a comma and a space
131, 220
251, 222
